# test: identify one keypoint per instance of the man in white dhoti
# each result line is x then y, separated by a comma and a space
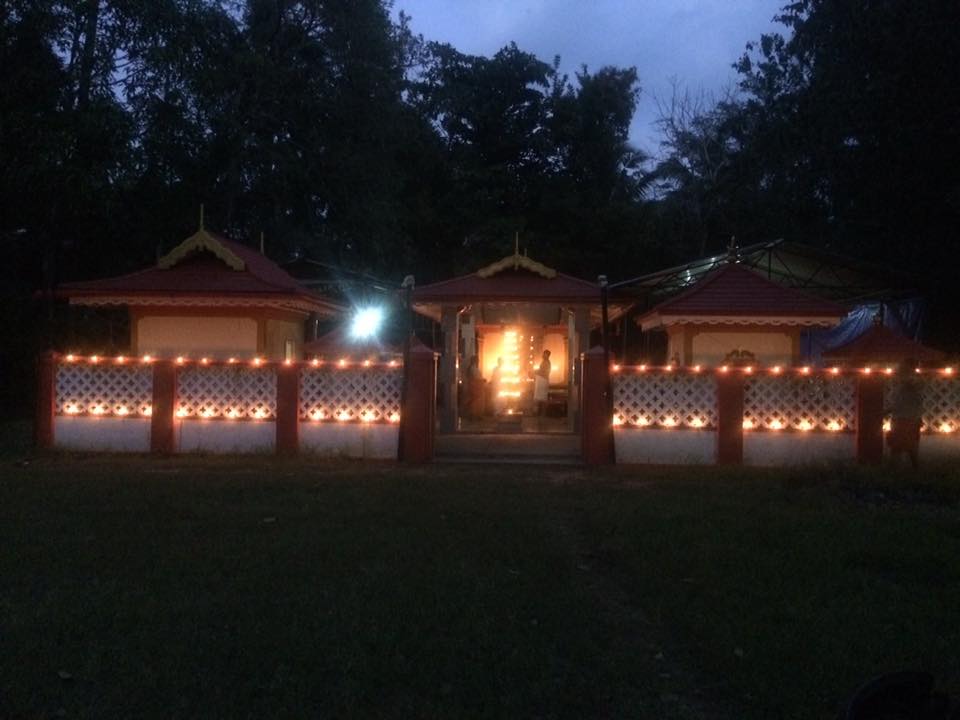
541, 384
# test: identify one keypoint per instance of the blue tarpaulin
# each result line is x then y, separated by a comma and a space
903, 316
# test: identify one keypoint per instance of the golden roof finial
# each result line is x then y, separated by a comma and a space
201, 216
733, 250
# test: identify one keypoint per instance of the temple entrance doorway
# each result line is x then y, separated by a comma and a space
517, 377
495, 325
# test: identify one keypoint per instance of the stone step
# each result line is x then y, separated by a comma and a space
509, 459
552, 448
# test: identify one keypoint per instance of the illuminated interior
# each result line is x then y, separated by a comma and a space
521, 349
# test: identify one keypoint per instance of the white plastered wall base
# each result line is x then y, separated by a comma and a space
665, 447
939, 446
111, 434
356, 440
784, 449
223, 436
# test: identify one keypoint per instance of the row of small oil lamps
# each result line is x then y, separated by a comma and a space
255, 362
230, 414
773, 370
803, 425
699, 423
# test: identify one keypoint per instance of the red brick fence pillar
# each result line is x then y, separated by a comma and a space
729, 418
288, 409
43, 427
596, 428
163, 428
418, 414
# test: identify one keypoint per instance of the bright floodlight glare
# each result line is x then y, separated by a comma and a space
366, 322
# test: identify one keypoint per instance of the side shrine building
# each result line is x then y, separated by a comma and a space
209, 296
733, 312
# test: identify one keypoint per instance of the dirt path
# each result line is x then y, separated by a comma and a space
670, 689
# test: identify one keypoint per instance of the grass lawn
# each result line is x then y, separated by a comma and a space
202, 587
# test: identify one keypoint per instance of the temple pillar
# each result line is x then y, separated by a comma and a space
468, 329
687, 334
450, 323
580, 338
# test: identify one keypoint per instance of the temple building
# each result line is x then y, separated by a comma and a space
733, 312
210, 297
509, 312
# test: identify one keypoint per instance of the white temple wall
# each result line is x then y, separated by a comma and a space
214, 337
770, 348
278, 332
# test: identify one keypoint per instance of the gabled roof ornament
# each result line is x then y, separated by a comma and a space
517, 262
200, 241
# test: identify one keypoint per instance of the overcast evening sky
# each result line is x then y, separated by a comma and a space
694, 41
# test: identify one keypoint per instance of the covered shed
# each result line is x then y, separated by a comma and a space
881, 346
734, 311
209, 296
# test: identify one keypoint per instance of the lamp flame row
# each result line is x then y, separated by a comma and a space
773, 370
748, 424
254, 362
207, 413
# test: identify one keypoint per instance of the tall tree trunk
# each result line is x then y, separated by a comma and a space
89, 55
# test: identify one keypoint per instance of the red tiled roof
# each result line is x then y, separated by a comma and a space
202, 274
338, 342
509, 286
733, 291
881, 344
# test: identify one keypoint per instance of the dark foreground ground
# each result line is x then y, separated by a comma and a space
203, 587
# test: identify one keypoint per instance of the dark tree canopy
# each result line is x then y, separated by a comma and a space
336, 132
844, 133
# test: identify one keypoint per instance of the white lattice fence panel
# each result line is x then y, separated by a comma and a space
941, 402
814, 402
671, 399
101, 389
227, 391
367, 394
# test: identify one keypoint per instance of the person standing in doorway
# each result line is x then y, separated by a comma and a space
906, 414
541, 384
